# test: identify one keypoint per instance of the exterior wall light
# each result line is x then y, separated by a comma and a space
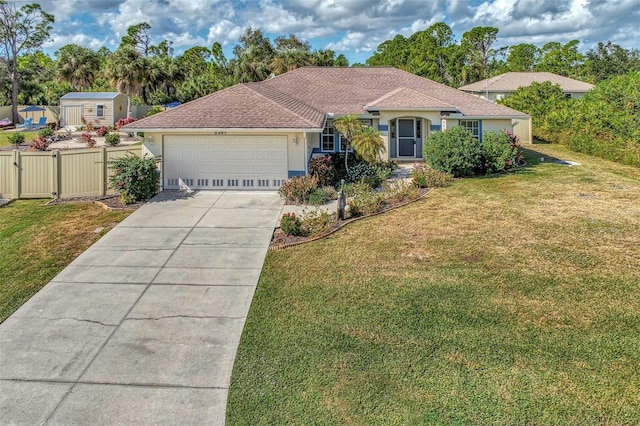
295, 140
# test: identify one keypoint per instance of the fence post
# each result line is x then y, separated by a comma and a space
16, 176
104, 170
55, 156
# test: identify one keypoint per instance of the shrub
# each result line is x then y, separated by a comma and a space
47, 132
16, 138
364, 200
112, 139
154, 110
87, 138
371, 174
40, 143
102, 131
426, 177
453, 151
291, 224
135, 178
317, 222
297, 189
318, 196
399, 191
498, 152
124, 121
324, 170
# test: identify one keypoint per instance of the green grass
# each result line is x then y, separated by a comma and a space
511, 299
38, 241
4, 137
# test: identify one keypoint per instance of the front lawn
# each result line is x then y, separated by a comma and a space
38, 241
509, 299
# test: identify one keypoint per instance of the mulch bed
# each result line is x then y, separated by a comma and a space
109, 202
280, 240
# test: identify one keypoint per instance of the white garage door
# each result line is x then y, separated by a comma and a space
221, 162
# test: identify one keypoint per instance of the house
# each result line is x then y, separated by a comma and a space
99, 108
257, 135
501, 86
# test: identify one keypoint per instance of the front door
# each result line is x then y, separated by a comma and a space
406, 137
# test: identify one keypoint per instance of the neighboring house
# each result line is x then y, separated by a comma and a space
257, 135
99, 108
501, 86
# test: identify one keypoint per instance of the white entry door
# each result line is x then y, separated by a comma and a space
224, 162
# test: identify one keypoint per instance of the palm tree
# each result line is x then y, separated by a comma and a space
365, 140
77, 65
127, 70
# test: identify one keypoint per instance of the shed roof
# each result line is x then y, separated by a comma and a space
90, 95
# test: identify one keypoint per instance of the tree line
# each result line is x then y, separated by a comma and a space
154, 74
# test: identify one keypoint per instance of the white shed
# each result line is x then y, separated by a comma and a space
99, 108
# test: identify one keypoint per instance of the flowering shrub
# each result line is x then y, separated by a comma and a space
124, 121
317, 222
399, 191
135, 178
297, 189
112, 139
291, 224
40, 143
364, 200
426, 177
102, 131
323, 169
87, 138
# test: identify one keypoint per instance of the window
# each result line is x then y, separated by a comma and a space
328, 137
99, 110
473, 126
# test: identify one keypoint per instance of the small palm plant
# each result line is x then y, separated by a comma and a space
363, 138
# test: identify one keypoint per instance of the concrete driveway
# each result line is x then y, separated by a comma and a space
143, 327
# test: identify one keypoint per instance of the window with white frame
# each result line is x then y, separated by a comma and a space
473, 126
99, 110
328, 137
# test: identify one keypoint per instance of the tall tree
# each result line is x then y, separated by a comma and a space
522, 57
77, 65
126, 69
608, 60
561, 59
138, 37
21, 31
477, 45
290, 53
252, 56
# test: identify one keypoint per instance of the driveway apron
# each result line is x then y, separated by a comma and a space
144, 326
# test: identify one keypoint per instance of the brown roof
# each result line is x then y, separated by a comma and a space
511, 81
300, 99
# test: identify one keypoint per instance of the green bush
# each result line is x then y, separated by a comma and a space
426, 177
47, 132
498, 152
291, 224
318, 196
364, 200
135, 178
297, 189
16, 139
317, 222
453, 151
112, 139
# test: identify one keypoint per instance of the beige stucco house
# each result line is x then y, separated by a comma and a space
257, 135
100, 108
503, 85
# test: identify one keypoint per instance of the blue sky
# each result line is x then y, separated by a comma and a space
352, 27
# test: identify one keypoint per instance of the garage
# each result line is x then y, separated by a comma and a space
224, 162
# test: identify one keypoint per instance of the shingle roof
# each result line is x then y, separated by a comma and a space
300, 99
511, 81
90, 95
